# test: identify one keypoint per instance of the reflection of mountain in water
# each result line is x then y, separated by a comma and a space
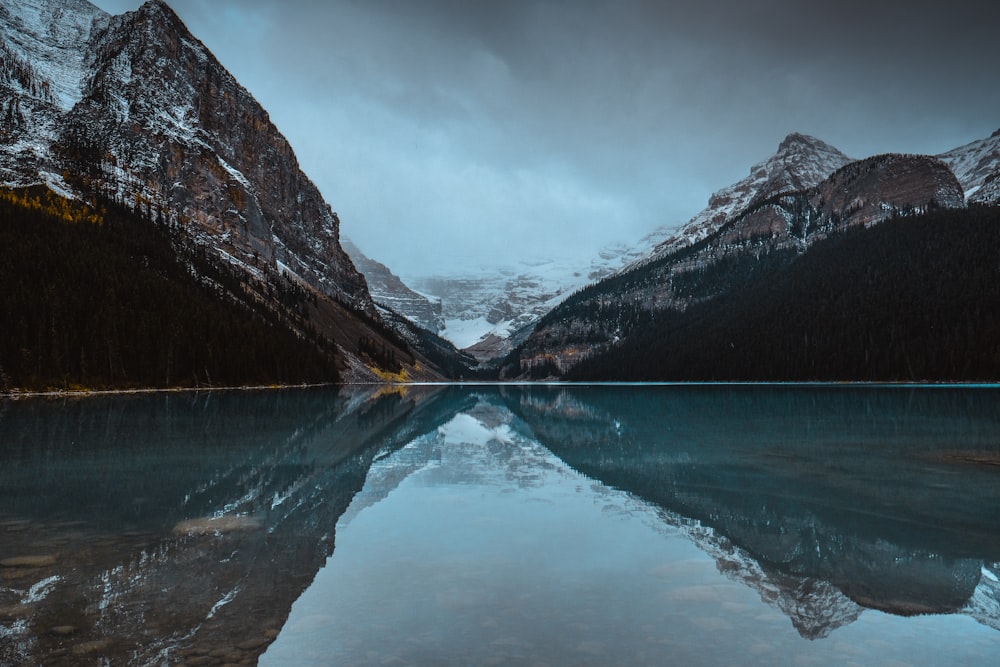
826, 501
193, 521
151, 529
504, 456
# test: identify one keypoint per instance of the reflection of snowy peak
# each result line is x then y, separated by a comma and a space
815, 606
984, 606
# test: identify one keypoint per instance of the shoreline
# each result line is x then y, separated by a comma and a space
83, 393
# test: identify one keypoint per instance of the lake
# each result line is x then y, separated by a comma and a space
503, 525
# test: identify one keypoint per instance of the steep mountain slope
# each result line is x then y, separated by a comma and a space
42, 66
800, 162
161, 121
98, 298
387, 289
911, 299
760, 239
43, 47
134, 109
977, 167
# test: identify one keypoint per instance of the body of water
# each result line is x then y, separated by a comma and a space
506, 525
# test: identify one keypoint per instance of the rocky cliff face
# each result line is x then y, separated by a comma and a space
800, 162
134, 107
42, 52
388, 290
861, 193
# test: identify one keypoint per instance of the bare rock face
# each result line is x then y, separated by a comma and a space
871, 190
139, 110
865, 192
800, 162
388, 289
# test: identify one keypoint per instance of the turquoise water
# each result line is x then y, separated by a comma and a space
526, 525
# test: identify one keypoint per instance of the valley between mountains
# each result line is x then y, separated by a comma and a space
157, 231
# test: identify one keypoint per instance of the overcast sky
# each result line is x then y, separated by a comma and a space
464, 133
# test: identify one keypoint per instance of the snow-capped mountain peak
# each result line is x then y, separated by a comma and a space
977, 167
800, 162
483, 312
135, 108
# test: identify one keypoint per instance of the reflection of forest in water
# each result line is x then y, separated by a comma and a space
143, 528
138, 529
826, 499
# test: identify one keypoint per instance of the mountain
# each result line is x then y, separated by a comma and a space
489, 312
490, 315
977, 167
135, 111
780, 222
101, 298
800, 162
912, 299
482, 311
388, 290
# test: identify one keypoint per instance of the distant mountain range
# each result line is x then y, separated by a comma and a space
132, 112
486, 312
490, 315
793, 282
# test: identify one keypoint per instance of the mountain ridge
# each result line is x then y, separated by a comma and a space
500, 317
134, 109
389, 290
764, 237
142, 114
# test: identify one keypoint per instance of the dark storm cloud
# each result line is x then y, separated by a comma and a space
445, 128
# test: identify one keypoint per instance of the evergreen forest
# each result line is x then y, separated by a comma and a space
915, 298
95, 296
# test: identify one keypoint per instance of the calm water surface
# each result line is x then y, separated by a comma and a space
503, 525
